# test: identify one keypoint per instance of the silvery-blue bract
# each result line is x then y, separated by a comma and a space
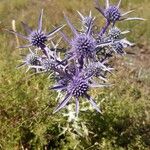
36, 37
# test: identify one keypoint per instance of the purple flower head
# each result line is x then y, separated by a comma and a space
36, 37
98, 70
112, 13
48, 64
119, 46
30, 60
83, 45
115, 33
77, 86
86, 20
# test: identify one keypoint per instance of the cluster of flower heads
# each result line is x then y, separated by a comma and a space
86, 63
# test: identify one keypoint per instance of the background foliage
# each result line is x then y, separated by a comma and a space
26, 119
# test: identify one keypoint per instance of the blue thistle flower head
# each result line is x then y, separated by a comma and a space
118, 48
98, 69
76, 86
37, 37
30, 60
83, 45
114, 33
48, 64
86, 20
112, 13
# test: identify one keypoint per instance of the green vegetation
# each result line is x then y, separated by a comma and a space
26, 105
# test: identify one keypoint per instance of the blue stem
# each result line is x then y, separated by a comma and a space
104, 28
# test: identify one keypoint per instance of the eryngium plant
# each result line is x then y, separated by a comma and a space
85, 64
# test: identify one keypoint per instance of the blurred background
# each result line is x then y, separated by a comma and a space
26, 104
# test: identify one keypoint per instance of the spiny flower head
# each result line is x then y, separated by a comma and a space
48, 64
77, 86
112, 13
98, 69
116, 33
37, 37
119, 46
83, 45
31, 59
86, 20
